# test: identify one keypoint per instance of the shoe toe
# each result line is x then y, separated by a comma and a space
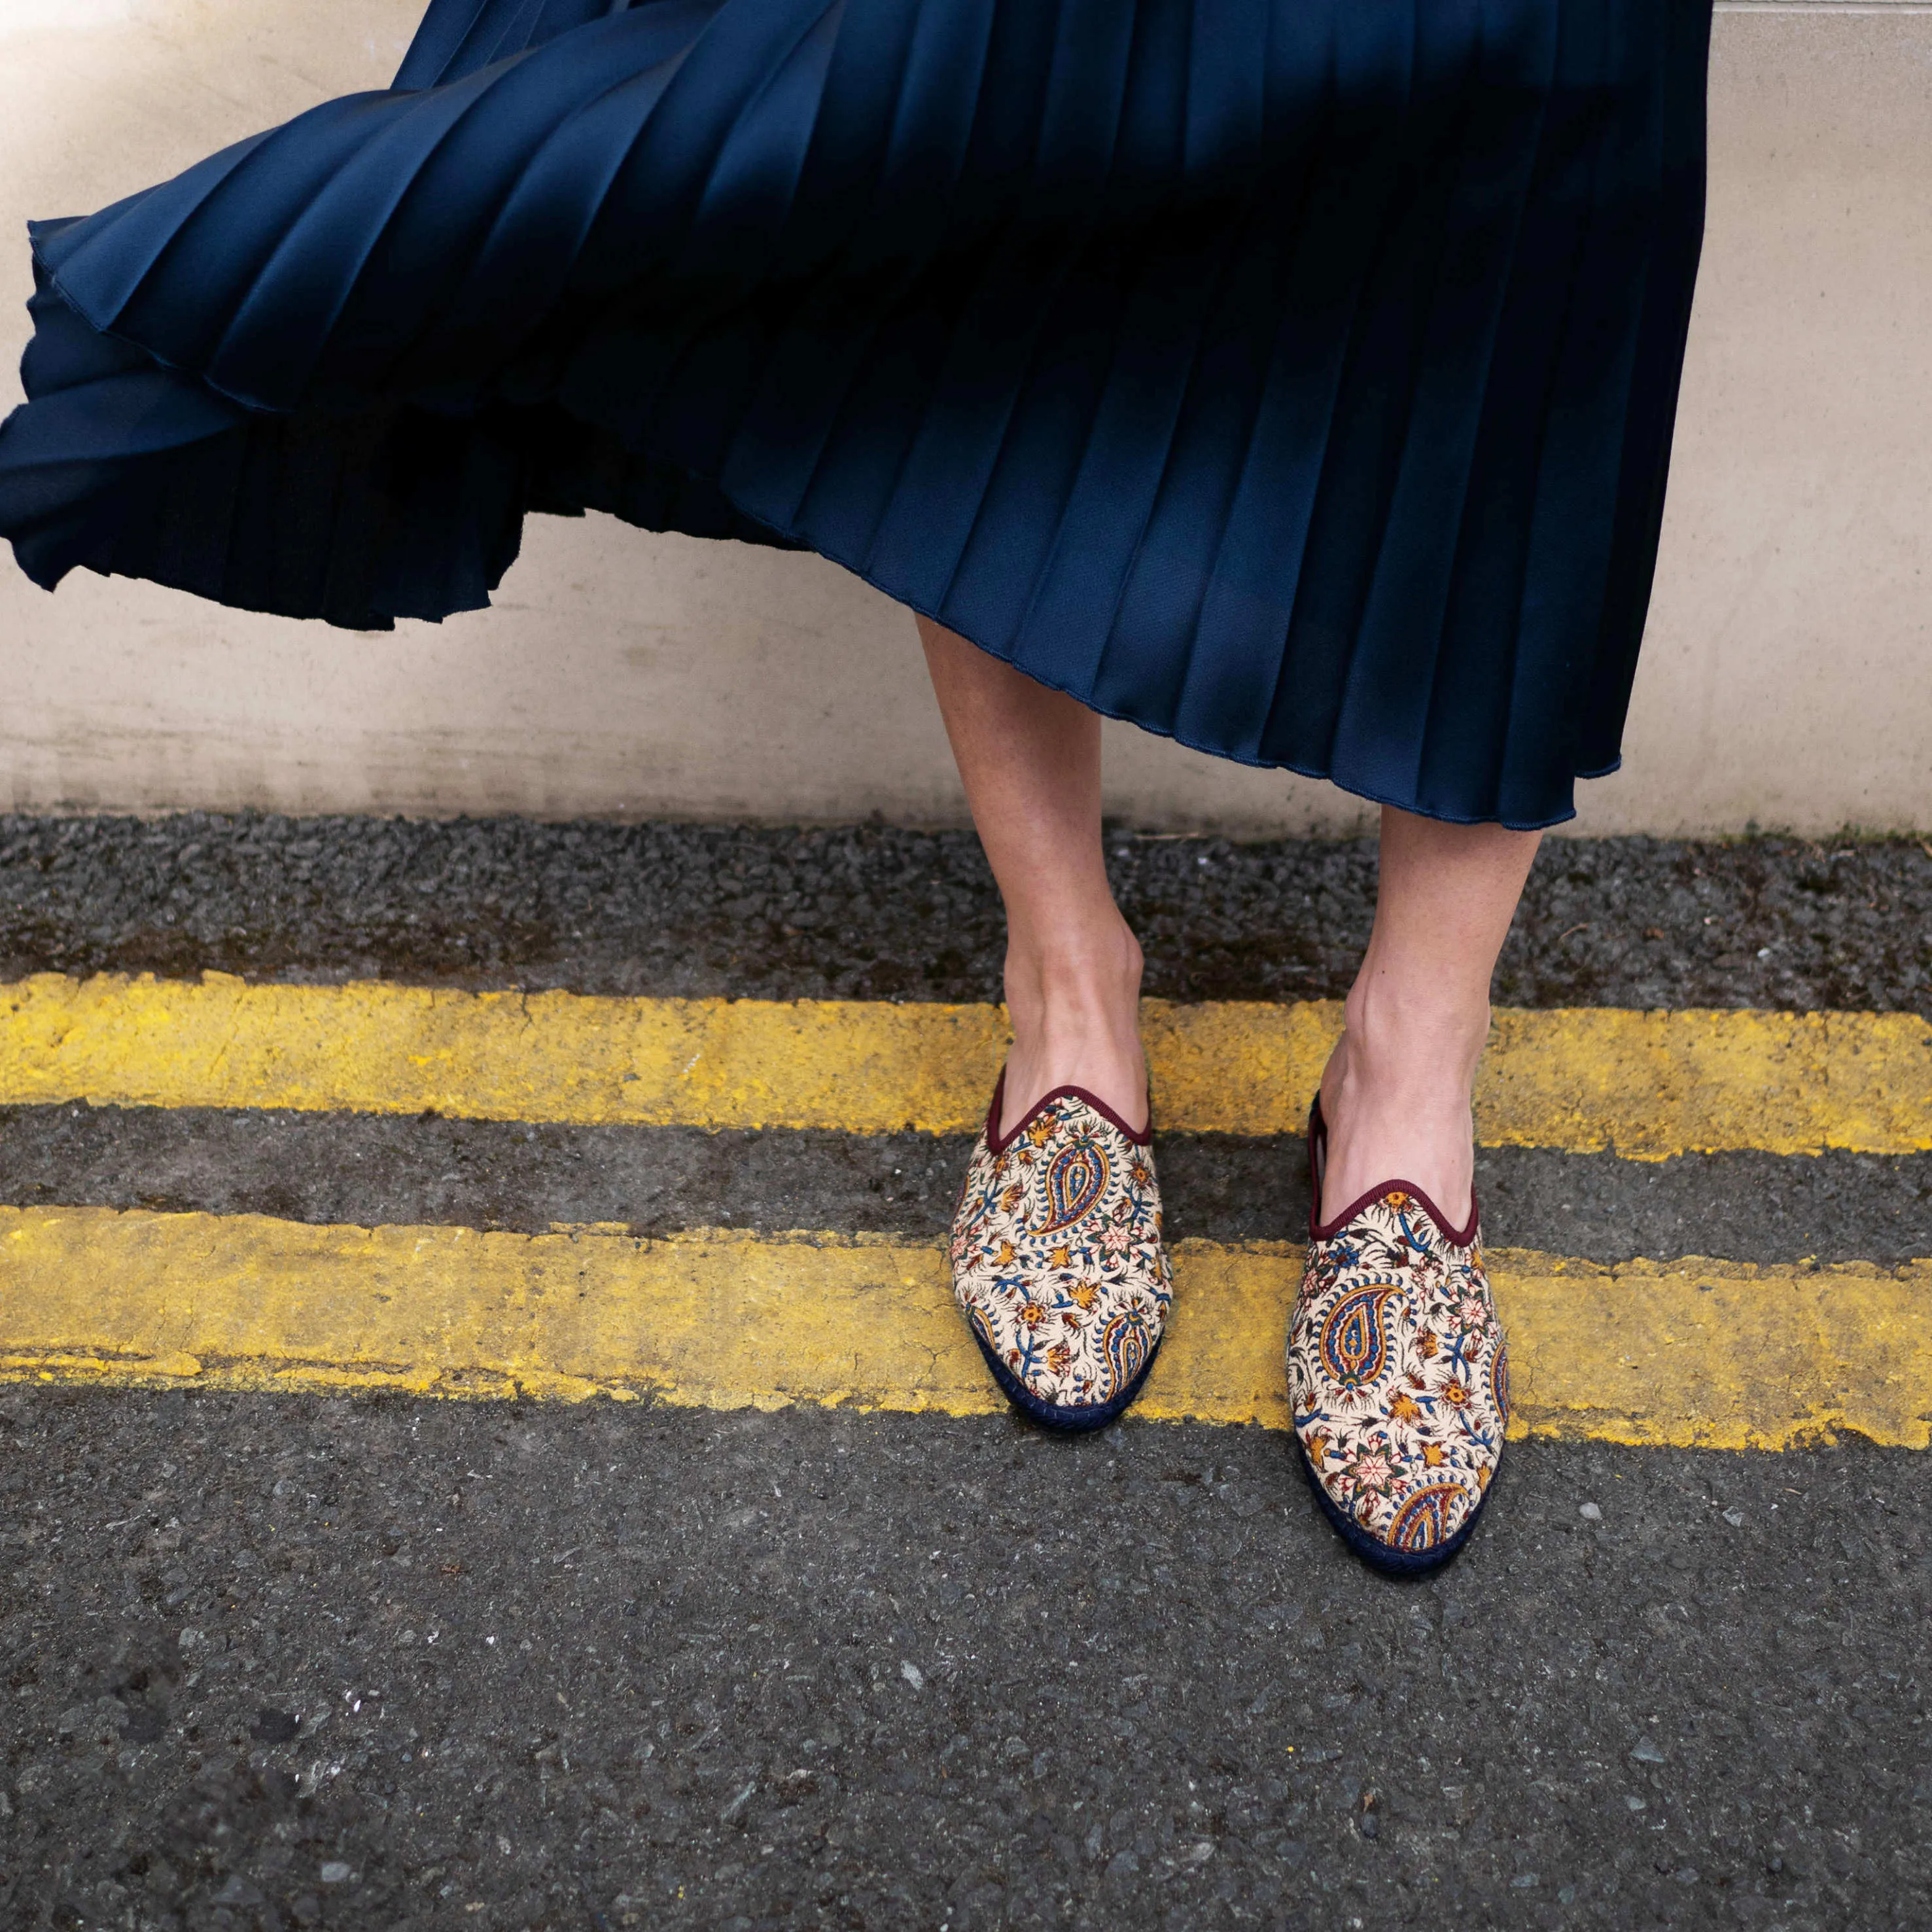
1422, 1514
1120, 1336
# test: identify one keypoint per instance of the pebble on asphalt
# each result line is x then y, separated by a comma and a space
1590, 1513
1369, 1820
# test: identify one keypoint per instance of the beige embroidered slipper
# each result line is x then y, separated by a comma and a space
1057, 1260
1397, 1373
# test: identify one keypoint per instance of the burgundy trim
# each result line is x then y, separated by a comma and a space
1457, 1238
996, 1143
1318, 1161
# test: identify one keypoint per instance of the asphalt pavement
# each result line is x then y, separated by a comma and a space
277, 1660
381, 1663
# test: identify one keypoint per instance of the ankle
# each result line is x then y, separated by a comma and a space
1420, 1040
1396, 1096
1079, 979
1075, 1016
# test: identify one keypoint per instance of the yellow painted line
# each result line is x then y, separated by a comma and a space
1645, 1084
1690, 1353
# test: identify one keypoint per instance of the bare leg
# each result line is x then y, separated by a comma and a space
1395, 1094
1030, 759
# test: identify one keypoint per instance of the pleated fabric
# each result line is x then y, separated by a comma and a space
1293, 377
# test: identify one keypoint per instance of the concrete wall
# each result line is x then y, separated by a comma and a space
1787, 679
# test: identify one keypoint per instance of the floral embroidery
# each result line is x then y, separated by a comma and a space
1397, 1373
1057, 1254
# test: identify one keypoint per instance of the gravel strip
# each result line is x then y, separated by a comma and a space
871, 912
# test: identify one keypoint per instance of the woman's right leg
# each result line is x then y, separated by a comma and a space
1058, 1261
1030, 760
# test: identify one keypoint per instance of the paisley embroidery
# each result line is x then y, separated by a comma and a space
1123, 1342
1423, 1522
1057, 1259
1076, 1177
978, 1323
1355, 1338
1397, 1373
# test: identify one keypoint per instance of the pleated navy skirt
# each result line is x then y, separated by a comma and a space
1295, 377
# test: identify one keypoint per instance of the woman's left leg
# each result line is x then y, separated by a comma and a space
1395, 1094
1396, 1369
